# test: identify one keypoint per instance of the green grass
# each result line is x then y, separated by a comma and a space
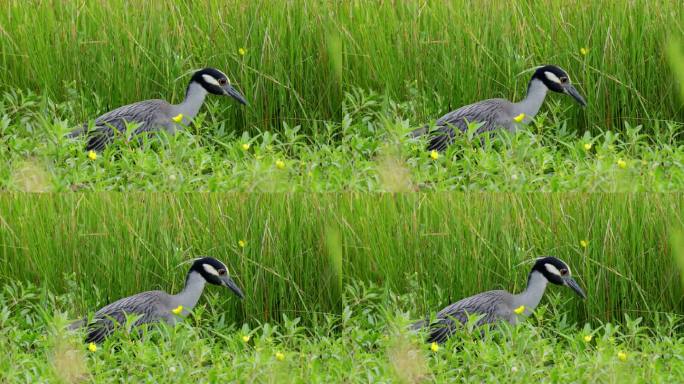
334, 85
302, 54
303, 249
366, 343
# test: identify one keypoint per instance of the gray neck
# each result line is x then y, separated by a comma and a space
189, 296
530, 105
194, 98
532, 295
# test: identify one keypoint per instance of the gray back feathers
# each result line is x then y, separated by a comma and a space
148, 307
149, 115
491, 306
491, 114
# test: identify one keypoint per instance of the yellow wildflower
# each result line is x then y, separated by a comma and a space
245, 338
584, 243
519, 310
178, 118
519, 118
280, 164
434, 155
177, 310
92, 155
587, 146
587, 338
245, 146
92, 347
584, 51
242, 243
622, 356
242, 51
280, 356
434, 347
622, 164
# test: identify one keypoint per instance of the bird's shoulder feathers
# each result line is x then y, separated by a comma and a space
491, 112
141, 303
140, 112
489, 302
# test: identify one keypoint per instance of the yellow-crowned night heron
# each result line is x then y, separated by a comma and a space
501, 113
155, 306
154, 115
500, 305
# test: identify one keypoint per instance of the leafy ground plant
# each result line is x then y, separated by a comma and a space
368, 150
367, 341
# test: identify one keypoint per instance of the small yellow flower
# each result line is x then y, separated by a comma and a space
178, 118
280, 164
245, 338
242, 51
280, 356
519, 310
622, 164
434, 155
92, 155
584, 243
587, 146
245, 146
622, 356
242, 243
92, 347
584, 51
434, 347
587, 338
177, 310
519, 118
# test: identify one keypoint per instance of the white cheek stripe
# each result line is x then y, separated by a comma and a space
552, 269
210, 269
210, 79
552, 77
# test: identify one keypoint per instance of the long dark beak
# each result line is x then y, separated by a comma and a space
570, 282
232, 92
228, 282
570, 90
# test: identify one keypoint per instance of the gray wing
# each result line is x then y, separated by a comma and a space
149, 306
149, 114
491, 305
492, 113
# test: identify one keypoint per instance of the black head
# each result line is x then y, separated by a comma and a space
217, 83
557, 272
215, 272
557, 80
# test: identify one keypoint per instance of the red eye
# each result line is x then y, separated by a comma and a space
223, 81
564, 272
222, 272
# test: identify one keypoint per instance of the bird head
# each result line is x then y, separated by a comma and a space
557, 80
215, 272
217, 83
557, 272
